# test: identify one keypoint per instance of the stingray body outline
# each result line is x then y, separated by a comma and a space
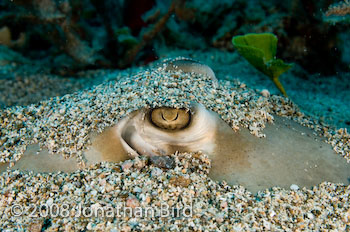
290, 153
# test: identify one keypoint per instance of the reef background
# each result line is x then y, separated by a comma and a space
51, 47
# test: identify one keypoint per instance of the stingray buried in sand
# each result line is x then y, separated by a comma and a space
290, 154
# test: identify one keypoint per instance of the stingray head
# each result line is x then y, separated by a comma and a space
161, 131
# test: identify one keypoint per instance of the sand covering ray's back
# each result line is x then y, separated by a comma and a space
63, 124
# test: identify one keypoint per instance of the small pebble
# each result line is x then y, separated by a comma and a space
265, 93
294, 187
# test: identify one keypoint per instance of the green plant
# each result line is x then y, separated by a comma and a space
260, 51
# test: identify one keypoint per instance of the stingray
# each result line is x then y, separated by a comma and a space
290, 154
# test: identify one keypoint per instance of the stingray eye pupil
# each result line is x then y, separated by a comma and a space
169, 118
169, 115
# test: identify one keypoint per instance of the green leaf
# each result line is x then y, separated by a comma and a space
253, 55
260, 51
277, 66
265, 42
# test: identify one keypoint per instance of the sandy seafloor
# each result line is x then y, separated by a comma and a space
63, 123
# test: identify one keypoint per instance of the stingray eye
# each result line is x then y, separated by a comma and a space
170, 118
